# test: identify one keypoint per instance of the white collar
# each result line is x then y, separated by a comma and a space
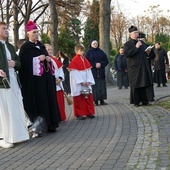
3, 41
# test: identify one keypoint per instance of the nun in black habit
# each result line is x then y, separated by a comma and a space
98, 59
140, 77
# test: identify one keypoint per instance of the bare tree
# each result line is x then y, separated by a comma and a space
53, 25
104, 30
118, 28
22, 10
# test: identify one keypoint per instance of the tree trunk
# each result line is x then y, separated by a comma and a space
16, 26
54, 25
104, 31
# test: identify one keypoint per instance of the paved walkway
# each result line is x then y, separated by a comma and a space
121, 137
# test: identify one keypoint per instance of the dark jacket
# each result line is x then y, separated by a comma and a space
66, 82
161, 59
96, 55
4, 62
138, 65
65, 65
120, 63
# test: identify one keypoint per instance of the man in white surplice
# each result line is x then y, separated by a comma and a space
13, 126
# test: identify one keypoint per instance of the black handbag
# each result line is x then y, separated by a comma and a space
6, 83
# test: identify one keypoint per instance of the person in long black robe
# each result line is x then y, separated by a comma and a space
160, 61
98, 59
150, 56
120, 66
38, 91
139, 72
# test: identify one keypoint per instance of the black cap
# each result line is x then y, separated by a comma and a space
141, 35
132, 28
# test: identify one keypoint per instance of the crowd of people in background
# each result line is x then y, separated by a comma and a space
140, 65
33, 81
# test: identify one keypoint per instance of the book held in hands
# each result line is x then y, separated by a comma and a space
149, 47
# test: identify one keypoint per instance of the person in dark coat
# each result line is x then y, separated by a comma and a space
150, 56
38, 81
98, 59
65, 61
120, 66
160, 61
139, 73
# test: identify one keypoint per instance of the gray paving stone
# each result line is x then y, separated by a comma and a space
121, 137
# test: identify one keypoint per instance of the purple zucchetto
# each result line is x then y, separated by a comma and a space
30, 26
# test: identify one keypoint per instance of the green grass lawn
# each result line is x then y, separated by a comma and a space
164, 104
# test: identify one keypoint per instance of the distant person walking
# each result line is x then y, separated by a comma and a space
120, 66
160, 63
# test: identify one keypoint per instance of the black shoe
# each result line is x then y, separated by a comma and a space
81, 117
164, 85
36, 135
51, 130
103, 103
158, 85
96, 103
91, 116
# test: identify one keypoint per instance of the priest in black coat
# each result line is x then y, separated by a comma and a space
150, 56
37, 80
140, 77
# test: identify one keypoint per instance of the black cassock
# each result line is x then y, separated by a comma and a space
120, 65
140, 77
96, 55
159, 66
38, 91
